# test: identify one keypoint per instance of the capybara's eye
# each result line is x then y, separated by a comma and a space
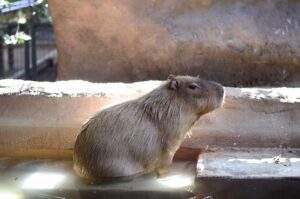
193, 86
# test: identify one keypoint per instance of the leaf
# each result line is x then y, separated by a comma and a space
18, 38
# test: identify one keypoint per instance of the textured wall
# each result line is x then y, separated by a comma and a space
236, 42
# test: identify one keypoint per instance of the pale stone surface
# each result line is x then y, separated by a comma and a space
43, 119
74, 88
249, 173
249, 164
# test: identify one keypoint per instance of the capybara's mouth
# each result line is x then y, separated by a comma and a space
222, 101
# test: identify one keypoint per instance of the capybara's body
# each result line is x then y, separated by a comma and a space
142, 135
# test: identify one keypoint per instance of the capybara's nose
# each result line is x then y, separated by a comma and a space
221, 91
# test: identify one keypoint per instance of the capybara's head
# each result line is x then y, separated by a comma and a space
203, 96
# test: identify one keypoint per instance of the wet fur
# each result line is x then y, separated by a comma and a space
142, 135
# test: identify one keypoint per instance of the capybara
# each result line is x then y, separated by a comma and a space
142, 135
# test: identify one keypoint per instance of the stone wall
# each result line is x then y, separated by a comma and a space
234, 42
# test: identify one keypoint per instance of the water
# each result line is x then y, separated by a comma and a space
55, 179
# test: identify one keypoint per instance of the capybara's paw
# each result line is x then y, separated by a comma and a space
162, 171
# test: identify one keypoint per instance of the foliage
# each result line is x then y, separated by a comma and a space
18, 38
23, 17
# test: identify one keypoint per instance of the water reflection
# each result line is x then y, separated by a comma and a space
43, 181
9, 195
177, 181
48, 179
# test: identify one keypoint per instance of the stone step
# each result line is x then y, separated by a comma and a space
250, 164
249, 174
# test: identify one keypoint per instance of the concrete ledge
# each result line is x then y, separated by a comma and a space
42, 119
249, 164
250, 173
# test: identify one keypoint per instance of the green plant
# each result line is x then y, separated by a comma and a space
25, 16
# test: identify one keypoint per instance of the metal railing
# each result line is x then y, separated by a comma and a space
12, 6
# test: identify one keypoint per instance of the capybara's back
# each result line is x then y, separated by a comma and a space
142, 135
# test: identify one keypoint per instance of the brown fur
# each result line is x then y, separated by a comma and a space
142, 135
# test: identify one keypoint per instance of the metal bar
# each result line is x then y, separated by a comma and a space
27, 57
44, 25
1, 57
10, 51
33, 50
12, 6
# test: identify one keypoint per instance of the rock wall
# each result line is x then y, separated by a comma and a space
238, 43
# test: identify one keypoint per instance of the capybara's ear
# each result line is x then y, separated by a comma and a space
173, 83
171, 76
